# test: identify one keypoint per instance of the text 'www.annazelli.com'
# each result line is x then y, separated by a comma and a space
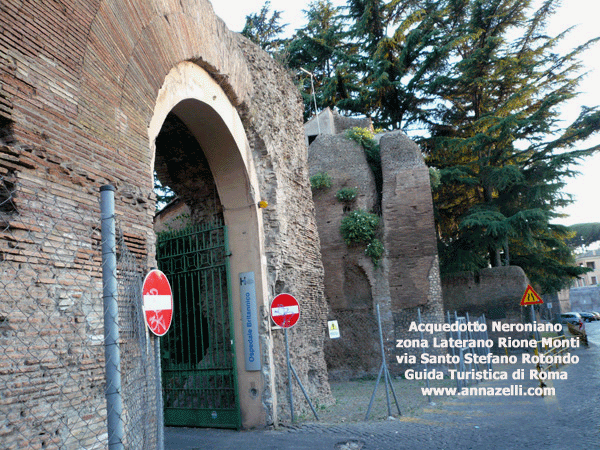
514, 390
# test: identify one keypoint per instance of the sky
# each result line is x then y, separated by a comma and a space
584, 14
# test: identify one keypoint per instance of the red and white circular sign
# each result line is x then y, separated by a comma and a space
285, 310
158, 302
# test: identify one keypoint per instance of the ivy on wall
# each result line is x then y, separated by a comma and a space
360, 228
366, 138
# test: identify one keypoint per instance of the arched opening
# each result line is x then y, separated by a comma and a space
180, 164
355, 356
202, 154
197, 354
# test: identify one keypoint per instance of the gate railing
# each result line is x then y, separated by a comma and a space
199, 377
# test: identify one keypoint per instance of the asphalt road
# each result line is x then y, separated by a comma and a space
568, 419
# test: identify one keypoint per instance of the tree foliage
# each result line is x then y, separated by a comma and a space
496, 139
264, 28
320, 49
164, 194
584, 234
480, 85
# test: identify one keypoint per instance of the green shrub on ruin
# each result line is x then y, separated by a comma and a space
359, 227
320, 180
375, 251
346, 195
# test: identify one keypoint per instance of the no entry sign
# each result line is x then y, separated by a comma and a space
285, 310
158, 302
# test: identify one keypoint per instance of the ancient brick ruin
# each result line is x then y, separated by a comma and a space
85, 88
407, 277
106, 92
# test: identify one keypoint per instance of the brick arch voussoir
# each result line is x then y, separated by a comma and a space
130, 50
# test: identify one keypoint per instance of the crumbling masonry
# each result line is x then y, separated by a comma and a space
407, 277
85, 88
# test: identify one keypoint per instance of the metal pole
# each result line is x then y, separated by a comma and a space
312, 86
422, 351
159, 399
536, 333
470, 336
160, 420
383, 363
304, 391
289, 372
393, 392
461, 363
486, 336
374, 391
114, 402
383, 370
453, 351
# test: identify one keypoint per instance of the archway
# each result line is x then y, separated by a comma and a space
216, 177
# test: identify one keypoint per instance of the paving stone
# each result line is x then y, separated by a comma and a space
569, 419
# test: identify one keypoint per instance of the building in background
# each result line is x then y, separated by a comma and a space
591, 260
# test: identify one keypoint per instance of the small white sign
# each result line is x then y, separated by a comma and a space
249, 321
157, 302
285, 310
334, 329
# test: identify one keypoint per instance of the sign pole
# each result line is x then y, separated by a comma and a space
533, 316
157, 306
536, 333
285, 312
530, 297
160, 420
159, 411
289, 372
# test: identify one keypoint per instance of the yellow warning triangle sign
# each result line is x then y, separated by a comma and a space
530, 297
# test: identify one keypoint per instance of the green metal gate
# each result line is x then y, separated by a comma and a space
197, 354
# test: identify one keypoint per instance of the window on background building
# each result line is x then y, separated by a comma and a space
591, 265
594, 280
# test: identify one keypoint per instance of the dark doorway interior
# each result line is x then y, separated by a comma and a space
199, 382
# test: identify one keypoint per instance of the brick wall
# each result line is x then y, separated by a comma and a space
408, 222
273, 121
51, 353
586, 298
493, 291
408, 275
78, 84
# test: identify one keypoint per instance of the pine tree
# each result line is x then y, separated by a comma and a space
263, 29
484, 84
402, 48
320, 48
584, 234
496, 139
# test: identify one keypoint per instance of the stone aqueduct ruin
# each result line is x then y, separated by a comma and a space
84, 94
407, 277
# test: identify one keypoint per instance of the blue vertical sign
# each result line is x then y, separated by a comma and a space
249, 320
